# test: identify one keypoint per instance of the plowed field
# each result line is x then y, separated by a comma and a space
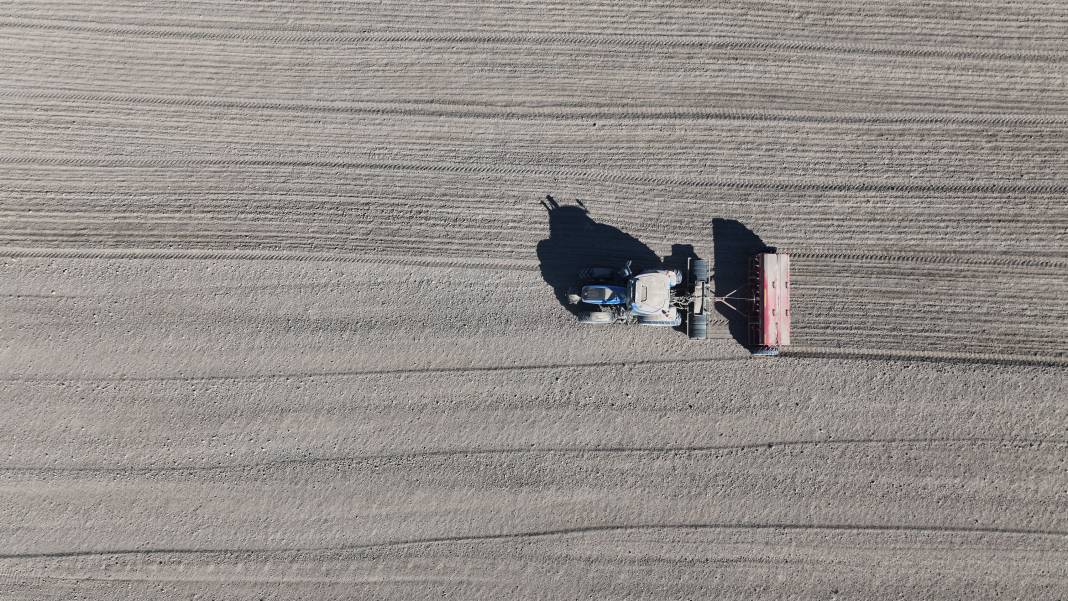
279, 318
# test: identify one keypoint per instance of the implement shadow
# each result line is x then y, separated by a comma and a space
576, 241
734, 245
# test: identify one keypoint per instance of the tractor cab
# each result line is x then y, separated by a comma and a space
604, 294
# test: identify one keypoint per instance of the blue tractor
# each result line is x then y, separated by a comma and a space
655, 297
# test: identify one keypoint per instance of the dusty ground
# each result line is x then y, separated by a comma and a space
278, 319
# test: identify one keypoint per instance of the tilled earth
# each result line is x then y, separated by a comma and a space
280, 295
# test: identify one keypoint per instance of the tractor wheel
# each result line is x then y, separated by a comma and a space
698, 326
597, 318
699, 270
658, 323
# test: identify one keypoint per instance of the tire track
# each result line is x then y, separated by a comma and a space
378, 372
582, 40
473, 262
264, 255
933, 258
541, 450
558, 174
808, 352
562, 532
474, 111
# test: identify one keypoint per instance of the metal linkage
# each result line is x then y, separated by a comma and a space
730, 297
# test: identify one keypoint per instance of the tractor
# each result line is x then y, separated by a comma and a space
655, 297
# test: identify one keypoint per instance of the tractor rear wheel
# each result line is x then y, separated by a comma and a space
698, 326
698, 270
658, 323
597, 317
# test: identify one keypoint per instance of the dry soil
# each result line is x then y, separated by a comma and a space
277, 317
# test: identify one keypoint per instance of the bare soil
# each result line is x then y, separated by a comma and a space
281, 313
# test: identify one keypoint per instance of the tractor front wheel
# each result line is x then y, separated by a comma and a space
597, 318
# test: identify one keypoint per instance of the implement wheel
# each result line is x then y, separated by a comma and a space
698, 326
698, 270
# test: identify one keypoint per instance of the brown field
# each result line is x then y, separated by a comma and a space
279, 320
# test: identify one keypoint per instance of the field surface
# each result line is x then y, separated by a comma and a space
280, 295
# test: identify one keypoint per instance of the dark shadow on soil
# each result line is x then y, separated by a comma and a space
576, 241
680, 259
733, 247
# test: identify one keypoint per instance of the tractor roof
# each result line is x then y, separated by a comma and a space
650, 292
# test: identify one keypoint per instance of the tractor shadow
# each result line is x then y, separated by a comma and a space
733, 246
577, 241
